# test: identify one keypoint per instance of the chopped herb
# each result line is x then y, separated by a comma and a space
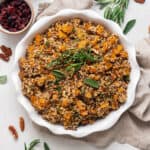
66, 55
83, 56
82, 90
47, 43
58, 74
72, 60
3, 79
59, 89
53, 63
46, 147
129, 26
69, 56
91, 83
73, 30
126, 78
76, 67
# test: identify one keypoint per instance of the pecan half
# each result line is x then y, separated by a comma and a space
4, 57
13, 131
22, 123
6, 50
140, 1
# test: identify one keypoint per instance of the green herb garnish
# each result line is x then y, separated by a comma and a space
72, 61
58, 74
63, 59
129, 26
3, 79
58, 88
35, 143
114, 9
46, 147
74, 56
83, 56
76, 67
53, 63
32, 144
47, 43
126, 78
25, 146
91, 83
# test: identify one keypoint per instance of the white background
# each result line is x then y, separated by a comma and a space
10, 110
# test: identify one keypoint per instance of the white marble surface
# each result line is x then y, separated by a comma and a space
10, 110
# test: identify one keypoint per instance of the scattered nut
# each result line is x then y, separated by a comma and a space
4, 57
22, 123
140, 1
7, 52
13, 131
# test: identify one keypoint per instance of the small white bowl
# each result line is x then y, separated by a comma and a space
26, 27
101, 124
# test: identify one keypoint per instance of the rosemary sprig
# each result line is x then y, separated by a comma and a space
114, 9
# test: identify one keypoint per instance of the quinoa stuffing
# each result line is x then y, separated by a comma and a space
75, 73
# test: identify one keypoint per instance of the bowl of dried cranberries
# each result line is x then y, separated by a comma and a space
15, 16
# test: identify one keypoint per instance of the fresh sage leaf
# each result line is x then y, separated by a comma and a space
33, 144
129, 26
114, 9
3, 79
107, 13
91, 83
46, 147
104, 1
115, 12
25, 146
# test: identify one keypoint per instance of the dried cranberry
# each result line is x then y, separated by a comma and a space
14, 14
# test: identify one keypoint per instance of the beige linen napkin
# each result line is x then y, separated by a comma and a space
62, 4
134, 126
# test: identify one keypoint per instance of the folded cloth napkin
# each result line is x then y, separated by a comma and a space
134, 126
62, 4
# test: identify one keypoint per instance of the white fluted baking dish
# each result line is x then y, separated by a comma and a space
99, 125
